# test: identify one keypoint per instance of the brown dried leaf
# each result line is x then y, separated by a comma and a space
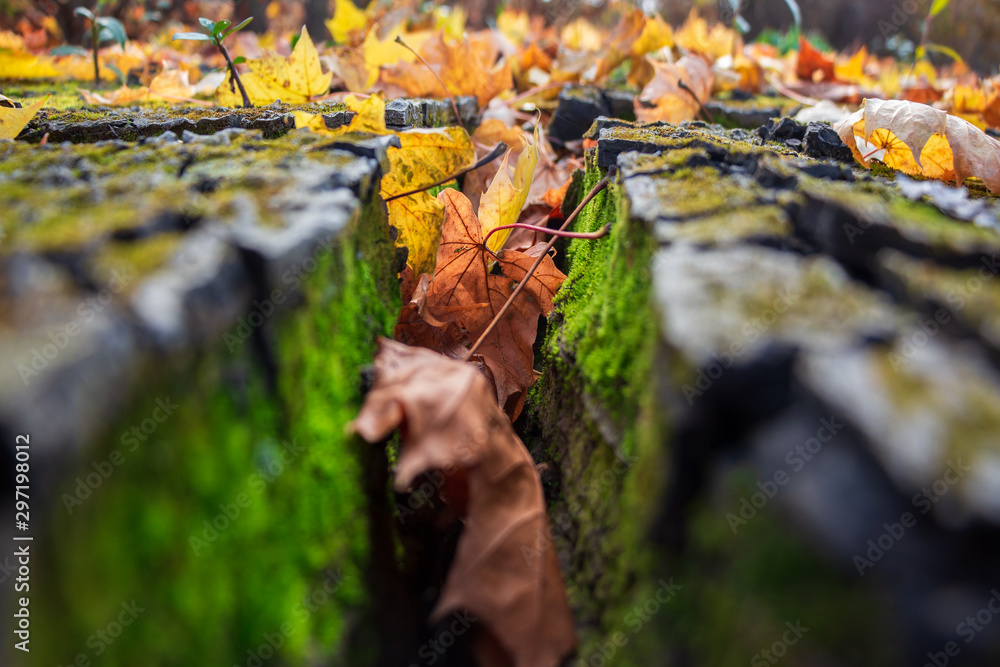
449, 422
464, 291
664, 99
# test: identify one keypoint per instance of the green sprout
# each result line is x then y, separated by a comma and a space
102, 29
216, 33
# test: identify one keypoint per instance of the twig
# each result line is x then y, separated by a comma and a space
533, 91
497, 151
454, 107
600, 233
603, 183
701, 107
234, 76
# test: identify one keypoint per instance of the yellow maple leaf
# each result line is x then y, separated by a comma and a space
502, 202
81, 68
347, 20
514, 24
18, 65
12, 121
921, 141
656, 34
425, 157
695, 36
581, 35
293, 80
418, 220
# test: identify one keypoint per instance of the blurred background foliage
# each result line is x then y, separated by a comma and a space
971, 27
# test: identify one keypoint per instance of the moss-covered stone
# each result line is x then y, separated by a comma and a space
599, 413
245, 458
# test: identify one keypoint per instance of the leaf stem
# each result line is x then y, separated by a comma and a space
600, 233
454, 107
868, 155
603, 183
493, 155
94, 37
233, 75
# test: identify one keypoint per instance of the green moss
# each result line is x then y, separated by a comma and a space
917, 221
598, 411
62, 94
971, 295
758, 222
745, 587
65, 197
221, 452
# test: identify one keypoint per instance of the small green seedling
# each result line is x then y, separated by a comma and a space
102, 29
216, 33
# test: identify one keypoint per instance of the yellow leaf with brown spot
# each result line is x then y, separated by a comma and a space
293, 80
417, 218
13, 120
426, 157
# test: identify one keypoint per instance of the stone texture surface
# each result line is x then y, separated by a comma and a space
825, 355
237, 280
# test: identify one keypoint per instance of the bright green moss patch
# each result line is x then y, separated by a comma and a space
237, 520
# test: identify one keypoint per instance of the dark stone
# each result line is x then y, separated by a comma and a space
741, 117
820, 141
580, 106
408, 113
781, 130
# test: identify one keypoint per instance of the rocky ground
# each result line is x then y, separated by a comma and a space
767, 418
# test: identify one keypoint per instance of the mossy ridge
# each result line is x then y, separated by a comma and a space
875, 202
758, 223
966, 401
970, 295
746, 588
110, 185
213, 607
598, 354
